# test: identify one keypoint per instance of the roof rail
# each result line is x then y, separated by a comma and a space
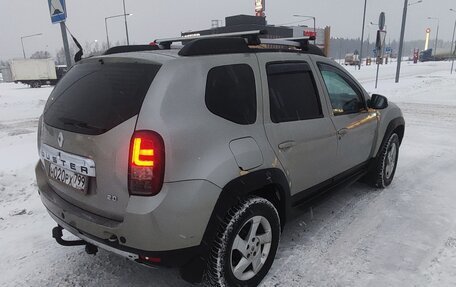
251, 36
212, 45
132, 48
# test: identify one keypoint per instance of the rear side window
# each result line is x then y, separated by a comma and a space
231, 93
292, 93
94, 97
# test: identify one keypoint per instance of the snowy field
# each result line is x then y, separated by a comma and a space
404, 235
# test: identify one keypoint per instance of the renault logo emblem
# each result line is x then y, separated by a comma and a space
60, 139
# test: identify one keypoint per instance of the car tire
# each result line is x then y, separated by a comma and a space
36, 85
245, 246
384, 169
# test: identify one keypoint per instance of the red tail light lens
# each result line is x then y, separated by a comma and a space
147, 163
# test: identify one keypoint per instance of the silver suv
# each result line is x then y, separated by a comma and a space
197, 157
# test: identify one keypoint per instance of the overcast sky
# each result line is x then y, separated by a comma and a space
154, 19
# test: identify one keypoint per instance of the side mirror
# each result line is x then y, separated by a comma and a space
378, 102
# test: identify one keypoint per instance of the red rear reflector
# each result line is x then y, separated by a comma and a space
150, 259
147, 163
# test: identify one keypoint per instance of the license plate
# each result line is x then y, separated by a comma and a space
68, 177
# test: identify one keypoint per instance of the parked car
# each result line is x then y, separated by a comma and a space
351, 59
197, 157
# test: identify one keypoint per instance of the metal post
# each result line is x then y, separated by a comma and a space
126, 26
453, 48
65, 44
378, 69
436, 37
362, 36
23, 50
401, 41
315, 31
107, 33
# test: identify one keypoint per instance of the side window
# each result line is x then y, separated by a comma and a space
292, 92
345, 97
231, 93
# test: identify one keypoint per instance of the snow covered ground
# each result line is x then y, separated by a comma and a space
404, 235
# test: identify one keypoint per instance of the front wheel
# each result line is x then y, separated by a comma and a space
246, 244
385, 167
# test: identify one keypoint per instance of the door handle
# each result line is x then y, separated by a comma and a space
342, 132
287, 145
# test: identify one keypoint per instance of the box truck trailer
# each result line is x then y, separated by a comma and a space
35, 72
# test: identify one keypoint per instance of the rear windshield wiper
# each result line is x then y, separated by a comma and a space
80, 124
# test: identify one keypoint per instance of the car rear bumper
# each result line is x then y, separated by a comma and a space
170, 225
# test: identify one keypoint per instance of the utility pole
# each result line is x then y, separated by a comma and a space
362, 36
401, 41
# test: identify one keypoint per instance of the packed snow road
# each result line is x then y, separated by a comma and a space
404, 235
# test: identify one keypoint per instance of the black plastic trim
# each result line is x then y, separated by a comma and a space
242, 186
215, 46
132, 48
339, 181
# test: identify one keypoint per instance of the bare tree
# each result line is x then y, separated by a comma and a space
41, 55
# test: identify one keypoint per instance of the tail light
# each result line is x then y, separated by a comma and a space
147, 163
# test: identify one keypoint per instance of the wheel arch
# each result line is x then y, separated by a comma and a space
397, 124
271, 184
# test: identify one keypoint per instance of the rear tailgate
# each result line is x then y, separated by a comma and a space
87, 125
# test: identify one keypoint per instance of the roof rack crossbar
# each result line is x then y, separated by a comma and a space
251, 36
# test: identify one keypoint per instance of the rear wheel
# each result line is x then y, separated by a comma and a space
36, 85
385, 167
245, 246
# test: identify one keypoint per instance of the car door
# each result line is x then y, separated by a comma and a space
297, 124
356, 125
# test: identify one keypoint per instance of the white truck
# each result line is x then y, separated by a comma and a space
35, 72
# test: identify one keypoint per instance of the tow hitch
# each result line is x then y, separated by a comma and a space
57, 235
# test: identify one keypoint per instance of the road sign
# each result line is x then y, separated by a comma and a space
57, 9
381, 21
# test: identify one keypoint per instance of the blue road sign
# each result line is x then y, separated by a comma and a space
57, 8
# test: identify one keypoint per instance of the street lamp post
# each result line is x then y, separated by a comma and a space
362, 35
106, 25
314, 22
453, 48
28, 36
437, 34
401, 40
126, 26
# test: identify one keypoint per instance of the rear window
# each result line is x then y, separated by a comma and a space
95, 97
231, 93
293, 94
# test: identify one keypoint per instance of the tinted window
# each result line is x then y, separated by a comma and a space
94, 97
231, 93
345, 97
292, 93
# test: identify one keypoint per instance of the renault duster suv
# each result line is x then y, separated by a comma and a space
196, 157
